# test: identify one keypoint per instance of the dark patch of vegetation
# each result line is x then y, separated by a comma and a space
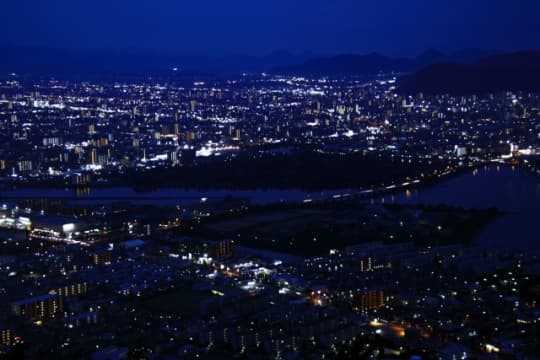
315, 229
306, 170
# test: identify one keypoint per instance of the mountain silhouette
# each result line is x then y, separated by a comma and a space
518, 71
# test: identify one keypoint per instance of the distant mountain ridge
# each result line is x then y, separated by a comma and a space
348, 64
466, 55
369, 64
129, 61
66, 61
518, 71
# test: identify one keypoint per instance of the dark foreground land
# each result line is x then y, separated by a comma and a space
314, 230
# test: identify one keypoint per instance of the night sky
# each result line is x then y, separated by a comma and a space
258, 27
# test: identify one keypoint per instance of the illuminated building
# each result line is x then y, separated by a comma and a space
102, 258
6, 337
369, 300
69, 230
38, 307
71, 290
83, 319
102, 142
93, 157
366, 264
52, 141
223, 248
80, 179
37, 204
99, 156
24, 165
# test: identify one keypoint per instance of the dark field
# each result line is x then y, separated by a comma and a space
314, 231
307, 170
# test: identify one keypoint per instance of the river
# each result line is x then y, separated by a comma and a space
165, 196
513, 190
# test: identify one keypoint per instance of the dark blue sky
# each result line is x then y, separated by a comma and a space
393, 27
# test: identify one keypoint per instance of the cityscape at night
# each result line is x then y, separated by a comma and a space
286, 180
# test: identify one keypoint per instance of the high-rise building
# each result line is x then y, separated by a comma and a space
102, 142
24, 165
366, 264
71, 290
223, 248
102, 258
6, 337
369, 300
39, 307
93, 157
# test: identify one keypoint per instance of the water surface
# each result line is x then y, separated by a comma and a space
513, 190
